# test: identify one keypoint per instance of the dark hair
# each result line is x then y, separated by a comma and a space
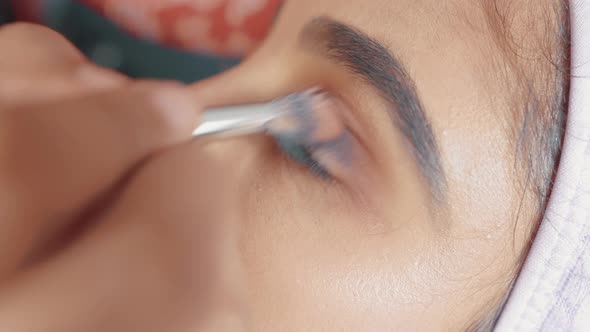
538, 62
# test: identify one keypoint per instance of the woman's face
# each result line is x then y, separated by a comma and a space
421, 233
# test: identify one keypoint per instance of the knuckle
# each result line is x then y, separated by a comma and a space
161, 125
155, 115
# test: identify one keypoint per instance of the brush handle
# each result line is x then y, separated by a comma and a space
235, 120
253, 118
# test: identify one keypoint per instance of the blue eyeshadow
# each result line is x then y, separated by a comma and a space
302, 154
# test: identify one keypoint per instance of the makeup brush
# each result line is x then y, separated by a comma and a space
302, 117
308, 126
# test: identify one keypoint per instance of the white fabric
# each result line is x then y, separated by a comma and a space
552, 292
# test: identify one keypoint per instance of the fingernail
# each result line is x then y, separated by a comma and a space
178, 107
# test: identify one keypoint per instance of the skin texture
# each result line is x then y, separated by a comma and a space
375, 255
370, 250
98, 185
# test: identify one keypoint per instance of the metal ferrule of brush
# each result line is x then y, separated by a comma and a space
236, 120
253, 118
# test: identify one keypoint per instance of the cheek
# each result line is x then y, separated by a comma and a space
313, 264
310, 260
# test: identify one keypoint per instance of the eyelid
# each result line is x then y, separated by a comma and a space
330, 144
348, 159
364, 174
355, 123
359, 102
340, 161
336, 155
312, 132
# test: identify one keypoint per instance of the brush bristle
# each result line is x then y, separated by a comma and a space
309, 117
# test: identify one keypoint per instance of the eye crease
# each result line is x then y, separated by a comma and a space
316, 136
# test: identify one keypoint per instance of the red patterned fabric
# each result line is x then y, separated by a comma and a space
225, 27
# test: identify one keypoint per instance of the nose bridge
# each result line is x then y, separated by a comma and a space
263, 76
266, 74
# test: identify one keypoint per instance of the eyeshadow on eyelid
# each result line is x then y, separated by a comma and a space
302, 154
336, 155
316, 136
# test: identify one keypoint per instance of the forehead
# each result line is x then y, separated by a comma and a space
447, 50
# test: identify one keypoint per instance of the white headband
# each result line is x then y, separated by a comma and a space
552, 292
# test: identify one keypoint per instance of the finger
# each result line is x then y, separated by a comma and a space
57, 158
163, 259
38, 64
34, 49
21, 90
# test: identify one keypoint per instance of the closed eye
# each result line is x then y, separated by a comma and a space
313, 133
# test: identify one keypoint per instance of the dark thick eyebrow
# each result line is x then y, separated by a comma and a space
372, 62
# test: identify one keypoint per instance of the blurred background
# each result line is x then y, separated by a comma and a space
109, 46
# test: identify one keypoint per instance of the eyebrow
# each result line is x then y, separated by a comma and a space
368, 59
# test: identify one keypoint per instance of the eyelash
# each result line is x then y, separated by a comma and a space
317, 137
303, 155
332, 163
